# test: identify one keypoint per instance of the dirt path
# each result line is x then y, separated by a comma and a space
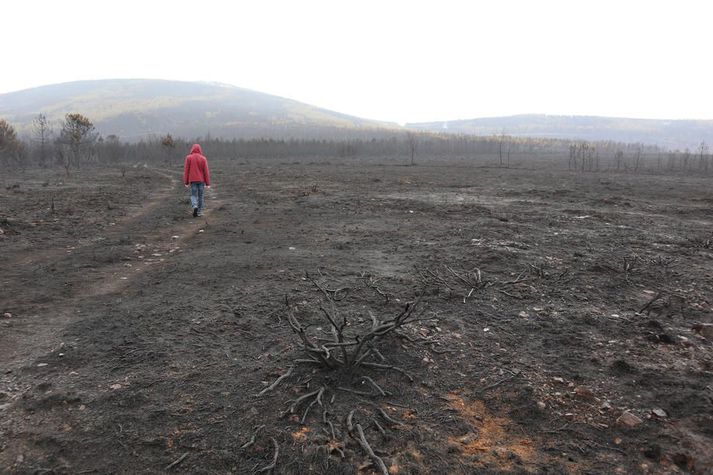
85, 278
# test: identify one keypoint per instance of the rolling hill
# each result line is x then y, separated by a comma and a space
137, 108
672, 134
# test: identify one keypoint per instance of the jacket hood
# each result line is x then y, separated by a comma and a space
196, 149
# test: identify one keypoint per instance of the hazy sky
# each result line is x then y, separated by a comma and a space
389, 60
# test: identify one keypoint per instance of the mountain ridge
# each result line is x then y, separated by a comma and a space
136, 108
669, 133
133, 108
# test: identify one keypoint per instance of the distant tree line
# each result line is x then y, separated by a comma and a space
74, 142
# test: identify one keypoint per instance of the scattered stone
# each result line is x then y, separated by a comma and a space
469, 438
558, 380
201, 230
705, 330
41, 365
82, 407
659, 413
683, 460
584, 392
7, 315
652, 452
175, 237
629, 419
621, 367
606, 405
541, 405
116, 386
663, 338
524, 314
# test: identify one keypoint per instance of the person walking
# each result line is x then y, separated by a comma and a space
196, 175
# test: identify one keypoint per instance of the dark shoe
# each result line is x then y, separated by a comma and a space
195, 212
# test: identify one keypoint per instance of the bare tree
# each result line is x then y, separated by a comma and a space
77, 133
42, 133
703, 157
501, 139
411, 138
637, 159
168, 146
9, 144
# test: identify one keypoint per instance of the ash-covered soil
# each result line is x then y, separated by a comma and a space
565, 320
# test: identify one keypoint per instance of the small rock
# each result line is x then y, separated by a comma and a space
41, 365
201, 230
82, 407
541, 405
175, 237
523, 314
606, 405
115, 386
659, 413
629, 419
7, 315
468, 438
558, 380
705, 330
584, 392
652, 452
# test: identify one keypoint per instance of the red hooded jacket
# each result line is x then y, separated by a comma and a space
196, 168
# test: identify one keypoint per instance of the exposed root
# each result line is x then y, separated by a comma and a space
252, 439
376, 386
370, 452
389, 367
175, 462
273, 464
277, 382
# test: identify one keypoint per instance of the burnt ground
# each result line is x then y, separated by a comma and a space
553, 303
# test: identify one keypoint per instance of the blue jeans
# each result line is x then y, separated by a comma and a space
197, 200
